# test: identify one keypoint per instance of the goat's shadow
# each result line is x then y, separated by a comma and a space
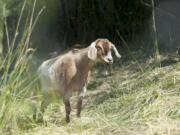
168, 62
94, 84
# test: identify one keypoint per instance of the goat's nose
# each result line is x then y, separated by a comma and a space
110, 60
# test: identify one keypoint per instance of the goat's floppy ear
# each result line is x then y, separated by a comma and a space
92, 53
115, 51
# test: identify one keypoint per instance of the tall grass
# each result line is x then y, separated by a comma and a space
17, 82
142, 98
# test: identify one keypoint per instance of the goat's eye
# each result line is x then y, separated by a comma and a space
98, 48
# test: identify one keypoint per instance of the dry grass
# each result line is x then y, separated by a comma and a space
139, 98
135, 102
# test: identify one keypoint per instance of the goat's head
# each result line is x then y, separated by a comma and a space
101, 49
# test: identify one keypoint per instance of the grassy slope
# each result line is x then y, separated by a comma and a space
134, 102
139, 98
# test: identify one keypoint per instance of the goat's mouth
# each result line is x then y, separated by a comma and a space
109, 62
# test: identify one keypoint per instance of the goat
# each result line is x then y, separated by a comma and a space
105, 69
69, 72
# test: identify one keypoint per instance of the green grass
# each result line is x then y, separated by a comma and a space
139, 98
136, 102
17, 82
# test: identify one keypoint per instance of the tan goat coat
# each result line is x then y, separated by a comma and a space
71, 73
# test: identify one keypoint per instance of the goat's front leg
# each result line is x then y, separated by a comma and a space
80, 99
79, 106
67, 108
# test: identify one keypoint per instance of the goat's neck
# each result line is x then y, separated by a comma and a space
84, 62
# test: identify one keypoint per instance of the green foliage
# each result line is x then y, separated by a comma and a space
139, 98
16, 83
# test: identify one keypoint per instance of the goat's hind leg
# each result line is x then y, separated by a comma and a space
44, 103
81, 94
67, 108
79, 105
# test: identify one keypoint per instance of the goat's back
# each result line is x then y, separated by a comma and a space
55, 74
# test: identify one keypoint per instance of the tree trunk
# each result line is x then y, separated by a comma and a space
154, 31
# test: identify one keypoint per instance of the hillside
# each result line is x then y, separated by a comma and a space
139, 98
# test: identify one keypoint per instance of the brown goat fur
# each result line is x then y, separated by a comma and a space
69, 72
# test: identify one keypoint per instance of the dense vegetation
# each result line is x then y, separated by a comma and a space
64, 23
140, 97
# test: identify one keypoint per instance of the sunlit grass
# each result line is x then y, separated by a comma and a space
142, 98
16, 82
137, 103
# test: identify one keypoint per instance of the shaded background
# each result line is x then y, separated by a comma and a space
64, 23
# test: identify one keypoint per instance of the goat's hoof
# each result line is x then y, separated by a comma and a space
78, 115
67, 119
40, 118
34, 116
